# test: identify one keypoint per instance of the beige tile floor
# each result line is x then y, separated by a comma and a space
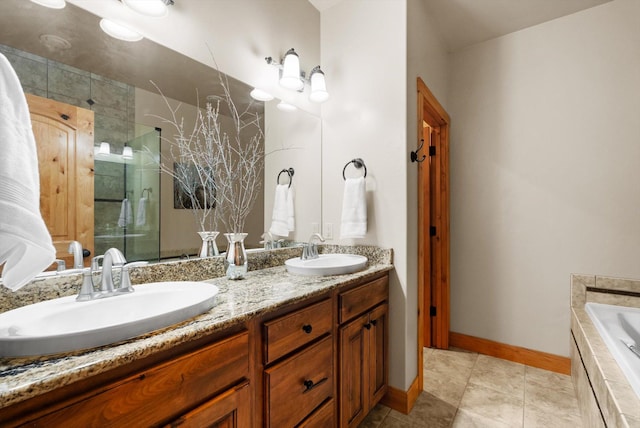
464, 389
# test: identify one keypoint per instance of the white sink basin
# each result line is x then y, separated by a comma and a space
63, 325
327, 264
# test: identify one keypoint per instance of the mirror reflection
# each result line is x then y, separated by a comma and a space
62, 55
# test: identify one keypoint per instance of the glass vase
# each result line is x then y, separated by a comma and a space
209, 247
235, 261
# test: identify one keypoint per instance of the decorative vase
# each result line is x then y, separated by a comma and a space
209, 246
235, 261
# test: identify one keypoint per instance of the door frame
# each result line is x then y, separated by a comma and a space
433, 210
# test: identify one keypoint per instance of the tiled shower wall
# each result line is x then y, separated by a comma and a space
114, 109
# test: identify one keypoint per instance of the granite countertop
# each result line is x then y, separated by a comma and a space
260, 292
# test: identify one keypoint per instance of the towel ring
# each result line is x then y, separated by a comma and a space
289, 172
358, 163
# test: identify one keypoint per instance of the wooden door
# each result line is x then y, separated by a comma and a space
433, 224
378, 356
64, 140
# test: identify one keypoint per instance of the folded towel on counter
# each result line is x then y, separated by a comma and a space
126, 213
141, 217
25, 243
282, 218
354, 209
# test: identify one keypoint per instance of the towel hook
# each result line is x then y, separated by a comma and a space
289, 172
148, 190
414, 155
358, 163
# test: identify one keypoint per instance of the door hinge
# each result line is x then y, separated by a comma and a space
432, 150
432, 311
432, 231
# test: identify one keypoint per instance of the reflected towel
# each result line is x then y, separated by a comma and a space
281, 212
141, 217
354, 209
291, 215
25, 243
126, 213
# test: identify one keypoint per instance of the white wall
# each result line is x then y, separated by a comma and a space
364, 53
544, 158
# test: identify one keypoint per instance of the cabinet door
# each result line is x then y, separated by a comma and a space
231, 409
354, 371
378, 354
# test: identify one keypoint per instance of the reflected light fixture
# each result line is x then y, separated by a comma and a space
152, 8
319, 92
119, 31
105, 148
53, 4
282, 106
127, 152
260, 95
290, 77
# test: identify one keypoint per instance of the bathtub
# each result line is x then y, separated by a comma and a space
619, 326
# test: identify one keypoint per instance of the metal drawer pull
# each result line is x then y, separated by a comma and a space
307, 328
374, 322
368, 326
309, 385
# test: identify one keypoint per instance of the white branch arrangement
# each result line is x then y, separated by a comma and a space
219, 171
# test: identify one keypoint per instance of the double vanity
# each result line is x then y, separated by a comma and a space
277, 349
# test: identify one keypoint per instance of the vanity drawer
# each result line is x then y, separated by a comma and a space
356, 301
299, 384
322, 417
288, 333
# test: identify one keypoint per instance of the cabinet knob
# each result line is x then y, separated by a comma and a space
307, 328
374, 322
367, 326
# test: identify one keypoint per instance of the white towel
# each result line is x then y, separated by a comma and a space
282, 216
126, 214
291, 215
141, 217
25, 243
354, 209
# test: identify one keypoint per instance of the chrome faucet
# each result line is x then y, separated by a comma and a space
268, 240
310, 249
112, 257
75, 248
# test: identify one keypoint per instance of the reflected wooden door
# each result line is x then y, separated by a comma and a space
64, 140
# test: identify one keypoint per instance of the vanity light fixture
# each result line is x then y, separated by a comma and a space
53, 4
152, 8
260, 95
127, 152
319, 92
105, 148
292, 78
119, 31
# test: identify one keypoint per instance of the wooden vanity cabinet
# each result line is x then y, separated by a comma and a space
298, 374
210, 383
363, 349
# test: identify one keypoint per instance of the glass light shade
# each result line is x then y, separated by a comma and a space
119, 31
260, 95
290, 78
319, 92
286, 106
153, 8
105, 149
53, 4
127, 153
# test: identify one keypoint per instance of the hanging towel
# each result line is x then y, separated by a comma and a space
280, 215
354, 209
291, 215
126, 214
141, 217
25, 243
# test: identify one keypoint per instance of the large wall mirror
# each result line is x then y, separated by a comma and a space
63, 55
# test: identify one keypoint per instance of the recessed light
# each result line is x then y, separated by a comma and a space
53, 4
153, 8
119, 31
260, 95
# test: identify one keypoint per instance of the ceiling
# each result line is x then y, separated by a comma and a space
463, 23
